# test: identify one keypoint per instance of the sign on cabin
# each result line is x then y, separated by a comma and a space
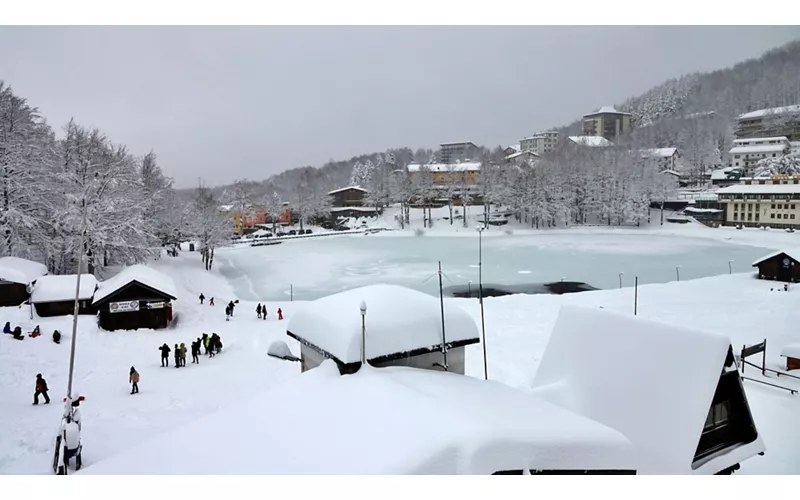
127, 306
155, 305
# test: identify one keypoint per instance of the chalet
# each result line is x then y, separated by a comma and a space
403, 327
674, 393
350, 196
55, 295
137, 297
779, 266
510, 150
16, 277
387, 421
665, 158
522, 158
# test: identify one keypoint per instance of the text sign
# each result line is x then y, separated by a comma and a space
127, 306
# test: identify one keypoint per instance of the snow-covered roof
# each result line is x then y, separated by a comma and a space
590, 141
770, 111
447, 167
515, 147
142, 274
355, 209
521, 153
398, 320
791, 350
22, 271
792, 253
765, 148
760, 139
225, 208
357, 188
62, 288
722, 173
394, 420
457, 143
653, 382
761, 189
671, 172
660, 152
702, 210
607, 109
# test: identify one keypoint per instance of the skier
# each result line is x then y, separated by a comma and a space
205, 343
41, 388
211, 301
231, 305
56, 337
164, 354
196, 351
134, 380
183, 354
177, 354
280, 313
202, 298
7, 328
258, 310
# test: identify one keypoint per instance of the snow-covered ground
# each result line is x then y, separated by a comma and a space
517, 329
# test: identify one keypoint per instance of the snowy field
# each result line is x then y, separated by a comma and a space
517, 329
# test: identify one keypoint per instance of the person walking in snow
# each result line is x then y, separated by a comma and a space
183, 354
56, 337
164, 354
177, 354
258, 310
231, 305
264, 312
211, 301
228, 312
196, 351
41, 388
202, 298
205, 343
133, 379
280, 314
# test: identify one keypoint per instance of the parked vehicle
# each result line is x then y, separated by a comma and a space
292, 232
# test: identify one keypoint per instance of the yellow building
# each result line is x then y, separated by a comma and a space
773, 202
447, 174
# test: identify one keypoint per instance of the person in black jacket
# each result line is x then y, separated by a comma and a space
231, 305
258, 310
202, 298
56, 336
41, 388
177, 356
196, 351
164, 354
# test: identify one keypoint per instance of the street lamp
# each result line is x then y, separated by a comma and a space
469, 289
480, 296
678, 272
620, 279
730, 268
363, 309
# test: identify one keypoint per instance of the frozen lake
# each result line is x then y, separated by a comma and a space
316, 267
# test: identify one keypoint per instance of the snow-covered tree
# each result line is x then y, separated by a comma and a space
240, 197
211, 228
360, 174
273, 206
784, 165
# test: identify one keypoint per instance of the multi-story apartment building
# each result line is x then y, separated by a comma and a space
747, 152
541, 143
607, 122
771, 122
452, 152
462, 176
773, 202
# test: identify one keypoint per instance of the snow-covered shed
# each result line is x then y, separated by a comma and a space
675, 393
782, 265
137, 297
16, 276
55, 295
403, 327
393, 420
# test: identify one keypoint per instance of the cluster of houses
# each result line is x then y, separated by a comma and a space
136, 297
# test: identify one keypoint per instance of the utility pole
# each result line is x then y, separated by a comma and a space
76, 307
480, 296
441, 305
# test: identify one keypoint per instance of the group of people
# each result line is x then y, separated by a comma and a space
212, 344
17, 332
261, 311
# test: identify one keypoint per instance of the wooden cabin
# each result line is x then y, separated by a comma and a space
16, 278
350, 196
675, 393
403, 328
779, 266
55, 295
137, 297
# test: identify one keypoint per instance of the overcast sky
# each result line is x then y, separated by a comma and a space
228, 102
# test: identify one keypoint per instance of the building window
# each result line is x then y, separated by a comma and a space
773, 206
792, 206
785, 216
757, 214
780, 206
749, 217
771, 216
791, 216
736, 216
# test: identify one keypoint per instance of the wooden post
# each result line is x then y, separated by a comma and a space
635, 295
764, 359
741, 359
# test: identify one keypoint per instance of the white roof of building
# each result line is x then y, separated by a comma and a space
22, 271
515, 147
446, 167
590, 141
761, 189
793, 253
393, 420
660, 152
607, 109
62, 288
225, 208
355, 209
142, 274
357, 188
765, 148
760, 139
722, 173
769, 111
521, 153
791, 350
398, 320
653, 382
457, 143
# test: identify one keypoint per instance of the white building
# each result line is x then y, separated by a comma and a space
403, 328
523, 157
666, 158
540, 143
747, 152
771, 202
675, 393
780, 121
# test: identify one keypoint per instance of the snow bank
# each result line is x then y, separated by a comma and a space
59, 288
398, 320
23, 271
651, 381
388, 421
142, 274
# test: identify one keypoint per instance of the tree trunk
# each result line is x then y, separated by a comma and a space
450, 206
662, 213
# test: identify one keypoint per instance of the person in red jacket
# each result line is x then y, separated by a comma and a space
280, 313
41, 388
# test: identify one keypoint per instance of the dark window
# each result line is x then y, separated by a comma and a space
792, 206
791, 216
773, 206
780, 206
717, 416
785, 216
771, 216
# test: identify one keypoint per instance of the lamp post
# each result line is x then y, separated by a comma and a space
363, 309
469, 289
678, 272
730, 268
620, 279
76, 307
480, 296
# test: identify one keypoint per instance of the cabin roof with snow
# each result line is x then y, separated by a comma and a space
653, 382
793, 254
159, 283
791, 350
62, 288
393, 420
765, 148
659, 152
348, 188
592, 141
606, 110
760, 113
447, 167
21, 271
399, 322
523, 153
